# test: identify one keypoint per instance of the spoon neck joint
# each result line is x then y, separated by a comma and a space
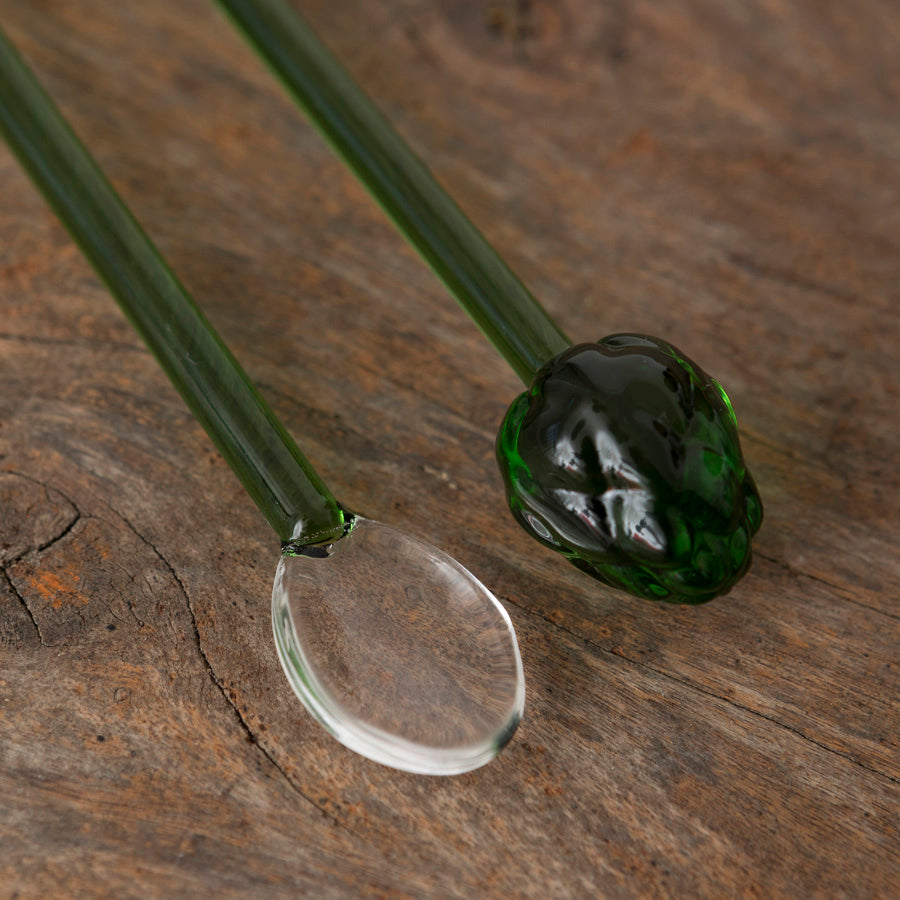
318, 542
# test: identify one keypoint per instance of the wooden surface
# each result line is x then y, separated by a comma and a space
723, 174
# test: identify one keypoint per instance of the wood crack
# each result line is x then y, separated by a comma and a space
840, 591
66, 531
241, 721
460, 422
43, 341
755, 712
792, 279
40, 548
48, 488
24, 603
684, 682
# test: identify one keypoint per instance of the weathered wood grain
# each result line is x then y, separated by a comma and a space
726, 175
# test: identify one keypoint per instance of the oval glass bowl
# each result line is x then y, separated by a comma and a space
399, 651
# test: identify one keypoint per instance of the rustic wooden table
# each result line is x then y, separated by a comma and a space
726, 175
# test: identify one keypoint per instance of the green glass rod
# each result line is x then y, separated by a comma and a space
482, 283
281, 481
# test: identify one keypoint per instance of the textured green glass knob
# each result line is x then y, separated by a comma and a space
624, 456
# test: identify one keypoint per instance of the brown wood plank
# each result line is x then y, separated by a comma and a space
724, 175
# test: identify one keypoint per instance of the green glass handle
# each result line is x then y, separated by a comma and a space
622, 455
474, 273
281, 481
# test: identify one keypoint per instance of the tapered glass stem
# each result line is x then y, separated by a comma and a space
271, 467
482, 283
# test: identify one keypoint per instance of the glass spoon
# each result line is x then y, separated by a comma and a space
401, 653
623, 454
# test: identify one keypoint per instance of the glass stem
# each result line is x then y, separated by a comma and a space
255, 444
482, 283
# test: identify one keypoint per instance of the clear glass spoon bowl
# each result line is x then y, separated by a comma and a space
398, 650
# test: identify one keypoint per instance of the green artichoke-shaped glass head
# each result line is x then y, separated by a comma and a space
624, 456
